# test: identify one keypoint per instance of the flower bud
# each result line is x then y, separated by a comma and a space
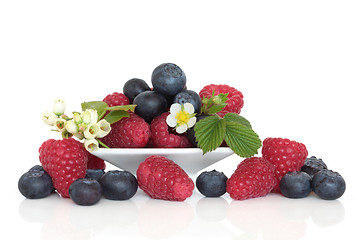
91, 145
71, 127
89, 116
104, 128
60, 124
59, 107
91, 131
49, 118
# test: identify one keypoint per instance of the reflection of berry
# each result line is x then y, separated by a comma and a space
116, 99
285, 155
161, 137
129, 132
65, 161
235, 98
253, 177
161, 178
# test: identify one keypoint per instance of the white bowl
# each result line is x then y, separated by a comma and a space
192, 160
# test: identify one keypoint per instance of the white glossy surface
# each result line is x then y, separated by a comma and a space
192, 160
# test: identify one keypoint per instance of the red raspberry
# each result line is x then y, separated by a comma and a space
95, 162
285, 155
161, 136
116, 99
129, 132
161, 178
253, 177
235, 98
65, 161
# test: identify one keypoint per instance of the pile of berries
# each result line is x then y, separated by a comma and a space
166, 116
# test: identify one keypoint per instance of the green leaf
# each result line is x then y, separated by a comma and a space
115, 116
233, 117
123, 107
210, 132
99, 106
214, 104
241, 139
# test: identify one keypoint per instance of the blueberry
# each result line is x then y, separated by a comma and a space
35, 184
85, 191
295, 185
150, 104
313, 165
134, 87
94, 173
328, 184
37, 167
189, 96
118, 185
168, 79
191, 132
212, 183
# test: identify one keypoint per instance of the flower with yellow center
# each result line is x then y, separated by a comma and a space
182, 117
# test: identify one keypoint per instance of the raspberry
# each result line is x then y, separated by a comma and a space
161, 137
95, 162
235, 98
161, 178
253, 177
65, 161
116, 99
129, 132
285, 155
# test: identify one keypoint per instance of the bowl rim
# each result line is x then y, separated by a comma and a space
159, 150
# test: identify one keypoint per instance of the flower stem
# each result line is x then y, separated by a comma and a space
101, 143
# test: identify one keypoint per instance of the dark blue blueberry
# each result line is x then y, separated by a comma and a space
37, 167
134, 87
85, 191
118, 185
313, 165
191, 132
212, 183
150, 104
328, 184
295, 185
94, 173
189, 96
35, 184
168, 79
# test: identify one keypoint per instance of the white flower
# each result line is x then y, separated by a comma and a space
89, 116
181, 117
59, 107
60, 124
49, 118
71, 127
104, 128
91, 131
91, 145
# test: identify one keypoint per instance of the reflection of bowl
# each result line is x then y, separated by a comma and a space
191, 160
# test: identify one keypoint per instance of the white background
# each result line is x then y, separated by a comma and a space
296, 62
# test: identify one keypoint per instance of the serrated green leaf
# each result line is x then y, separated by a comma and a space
241, 139
99, 106
210, 133
233, 117
123, 107
115, 116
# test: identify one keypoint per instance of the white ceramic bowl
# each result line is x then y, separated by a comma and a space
192, 160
